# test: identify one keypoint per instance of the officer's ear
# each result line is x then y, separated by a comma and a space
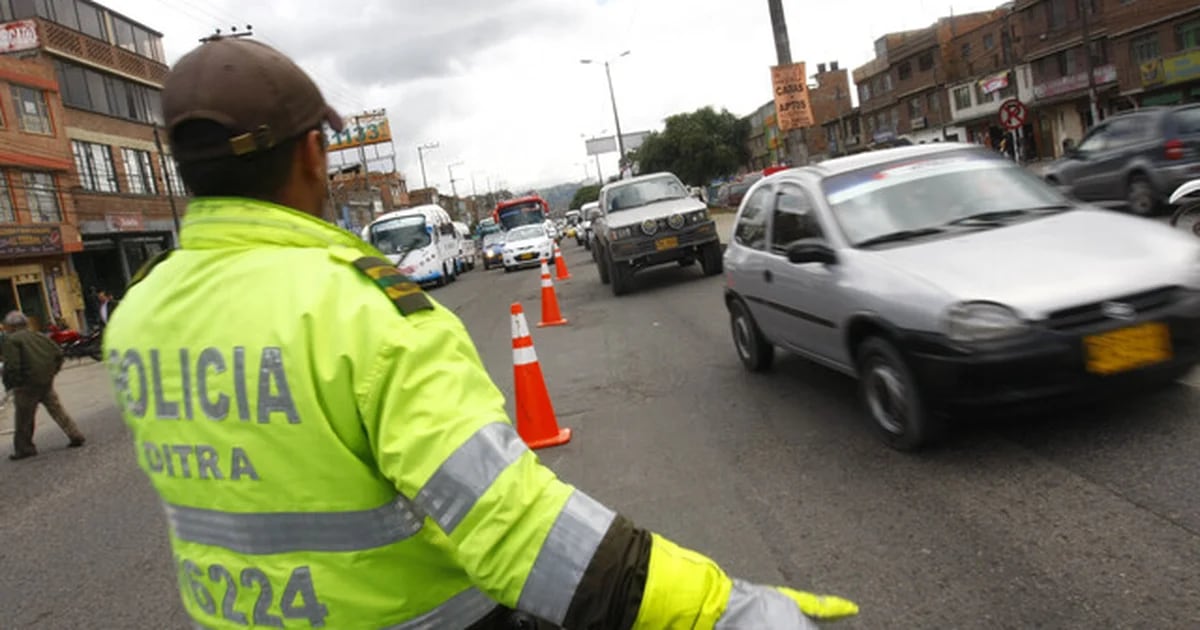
313, 155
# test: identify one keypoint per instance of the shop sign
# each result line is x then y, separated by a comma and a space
30, 239
1170, 70
993, 83
791, 96
18, 36
1077, 81
124, 222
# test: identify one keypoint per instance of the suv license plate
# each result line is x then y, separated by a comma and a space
1128, 348
671, 242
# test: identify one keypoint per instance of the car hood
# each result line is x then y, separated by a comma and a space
634, 216
1056, 262
526, 243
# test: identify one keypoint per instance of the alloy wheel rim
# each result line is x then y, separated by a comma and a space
887, 398
741, 336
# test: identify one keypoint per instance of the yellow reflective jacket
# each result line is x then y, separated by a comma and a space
327, 459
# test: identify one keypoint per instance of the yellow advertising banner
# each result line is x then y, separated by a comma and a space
791, 96
361, 130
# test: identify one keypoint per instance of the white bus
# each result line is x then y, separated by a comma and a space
422, 241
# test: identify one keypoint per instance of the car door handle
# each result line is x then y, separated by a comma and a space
767, 275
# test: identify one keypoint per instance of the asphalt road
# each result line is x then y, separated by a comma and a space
1089, 519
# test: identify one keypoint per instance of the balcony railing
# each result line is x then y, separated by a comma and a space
58, 38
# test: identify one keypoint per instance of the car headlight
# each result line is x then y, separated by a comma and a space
676, 221
982, 321
649, 227
697, 216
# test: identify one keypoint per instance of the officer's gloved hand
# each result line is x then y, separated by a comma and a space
821, 607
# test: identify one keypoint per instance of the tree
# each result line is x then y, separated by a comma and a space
586, 194
697, 147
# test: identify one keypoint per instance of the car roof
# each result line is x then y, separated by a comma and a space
846, 164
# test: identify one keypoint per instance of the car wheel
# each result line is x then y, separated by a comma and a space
507, 269
444, 279
892, 399
622, 277
756, 353
710, 259
1142, 201
602, 265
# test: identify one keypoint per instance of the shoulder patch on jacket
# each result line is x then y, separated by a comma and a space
149, 266
404, 293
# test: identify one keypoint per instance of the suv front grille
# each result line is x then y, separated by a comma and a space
1090, 314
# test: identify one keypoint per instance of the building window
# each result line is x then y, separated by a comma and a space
1144, 48
175, 182
95, 165
989, 42
42, 196
138, 172
914, 108
864, 93
84, 88
905, 71
962, 98
7, 213
31, 110
1066, 63
982, 97
925, 62
1056, 14
966, 52
1099, 53
1187, 35
935, 104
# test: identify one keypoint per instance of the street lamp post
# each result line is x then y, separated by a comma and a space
421, 158
613, 97
454, 188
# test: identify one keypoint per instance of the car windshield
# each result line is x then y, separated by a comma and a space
945, 189
525, 232
494, 238
645, 192
402, 234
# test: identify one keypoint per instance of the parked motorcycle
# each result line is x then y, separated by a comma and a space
75, 345
1187, 212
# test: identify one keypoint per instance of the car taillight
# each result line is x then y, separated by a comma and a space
1173, 150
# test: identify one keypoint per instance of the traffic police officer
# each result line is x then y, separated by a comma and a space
328, 447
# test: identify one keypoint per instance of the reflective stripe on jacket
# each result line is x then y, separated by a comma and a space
325, 461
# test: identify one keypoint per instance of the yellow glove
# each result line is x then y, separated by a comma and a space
821, 607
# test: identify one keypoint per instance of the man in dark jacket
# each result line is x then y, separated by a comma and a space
31, 361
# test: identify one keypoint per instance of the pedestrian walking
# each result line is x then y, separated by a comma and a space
366, 474
31, 361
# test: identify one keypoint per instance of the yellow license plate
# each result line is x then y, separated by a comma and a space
525, 257
1128, 348
670, 242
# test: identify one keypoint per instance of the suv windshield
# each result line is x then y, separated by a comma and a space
645, 192
526, 232
399, 235
935, 191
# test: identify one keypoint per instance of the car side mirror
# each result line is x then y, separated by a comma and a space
809, 252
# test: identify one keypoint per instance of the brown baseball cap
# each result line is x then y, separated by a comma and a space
256, 92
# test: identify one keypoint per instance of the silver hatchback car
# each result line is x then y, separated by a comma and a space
947, 279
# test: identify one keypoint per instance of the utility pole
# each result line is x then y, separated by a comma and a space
1085, 12
167, 180
616, 117
421, 158
1010, 59
783, 54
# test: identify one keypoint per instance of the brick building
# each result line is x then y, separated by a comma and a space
829, 97
37, 215
108, 72
1156, 49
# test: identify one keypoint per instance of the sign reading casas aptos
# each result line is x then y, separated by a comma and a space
791, 96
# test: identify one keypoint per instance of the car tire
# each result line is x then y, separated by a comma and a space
444, 279
1141, 197
711, 259
508, 269
602, 266
621, 275
892, 399
756, 353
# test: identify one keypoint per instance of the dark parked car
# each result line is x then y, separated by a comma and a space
730, 194
1138, 157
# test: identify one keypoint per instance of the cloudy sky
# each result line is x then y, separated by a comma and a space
498, 83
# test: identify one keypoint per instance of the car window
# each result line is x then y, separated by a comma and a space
1188, 120
751, 229
1126, 131
1096, 140
794, 218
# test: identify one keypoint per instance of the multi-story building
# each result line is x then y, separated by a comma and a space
765, 142
1156, 48
37, 215
843, 134
901, 91
829, 100
125, 192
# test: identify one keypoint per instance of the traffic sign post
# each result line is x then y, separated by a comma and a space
1013, 114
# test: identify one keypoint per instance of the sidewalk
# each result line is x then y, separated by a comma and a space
82, 387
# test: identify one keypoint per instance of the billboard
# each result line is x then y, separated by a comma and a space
608, 144
361, 130
791, 96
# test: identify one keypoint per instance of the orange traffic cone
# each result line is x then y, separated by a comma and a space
535, 415
550, 314
560, 265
